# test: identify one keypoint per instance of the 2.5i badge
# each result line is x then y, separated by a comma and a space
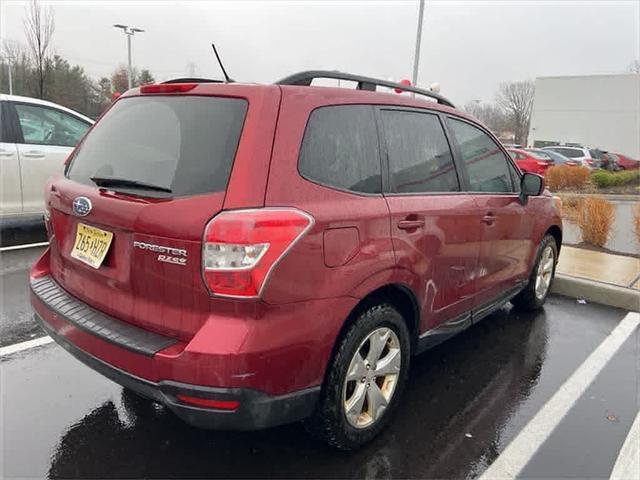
176, 256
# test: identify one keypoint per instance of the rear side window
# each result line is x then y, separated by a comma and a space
186, 144
419, 156
570, 152
487, 166
340, 149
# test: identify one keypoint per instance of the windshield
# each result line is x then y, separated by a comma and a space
185, 144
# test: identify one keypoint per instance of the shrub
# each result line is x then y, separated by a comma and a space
629, 177
595, 218
571, 206
563, 177
605, 179
555, 178
602, 179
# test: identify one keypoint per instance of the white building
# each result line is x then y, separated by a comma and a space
598, 111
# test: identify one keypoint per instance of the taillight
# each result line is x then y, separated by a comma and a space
208, 402
167, 87
241, 247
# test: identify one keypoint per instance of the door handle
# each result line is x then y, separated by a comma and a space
410, 224
33, 154
6, 153
488, 219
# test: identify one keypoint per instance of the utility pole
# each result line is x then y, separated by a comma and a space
416, 58
10, 78
8, 59
129, 32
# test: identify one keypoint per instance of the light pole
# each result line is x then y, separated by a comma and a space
8, 58
129, 32
416, 58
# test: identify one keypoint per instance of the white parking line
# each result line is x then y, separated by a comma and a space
518, 453
19, 347
23, 246
628, 462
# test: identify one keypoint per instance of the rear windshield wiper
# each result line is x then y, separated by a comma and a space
124, 182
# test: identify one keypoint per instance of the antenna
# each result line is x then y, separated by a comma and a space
224, 72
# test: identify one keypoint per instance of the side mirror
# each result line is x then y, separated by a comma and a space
530, 185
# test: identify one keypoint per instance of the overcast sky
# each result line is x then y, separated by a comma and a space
468, 47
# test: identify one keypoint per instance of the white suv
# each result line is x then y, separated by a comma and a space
588, 157
35, 139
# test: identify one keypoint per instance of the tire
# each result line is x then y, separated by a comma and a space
378, 325
528, 299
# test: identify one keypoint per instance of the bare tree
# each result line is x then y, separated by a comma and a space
516, 100
11, 48
39, 27
634, 67
489, 114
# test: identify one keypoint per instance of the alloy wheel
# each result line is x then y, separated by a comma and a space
544, 273
371, 378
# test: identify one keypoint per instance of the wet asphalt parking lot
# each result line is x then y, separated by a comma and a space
550, 394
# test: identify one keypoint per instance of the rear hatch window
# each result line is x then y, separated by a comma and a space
183, 145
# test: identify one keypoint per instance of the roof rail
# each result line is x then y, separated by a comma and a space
194, 80
364, 83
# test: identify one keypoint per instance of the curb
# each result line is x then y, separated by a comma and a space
614, 197
597, 292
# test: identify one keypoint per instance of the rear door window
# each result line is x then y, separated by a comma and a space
420, 159
340, 149
487, 166
184, 143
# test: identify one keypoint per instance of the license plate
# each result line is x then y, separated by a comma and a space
91, 245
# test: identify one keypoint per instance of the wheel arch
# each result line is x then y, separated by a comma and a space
556, 233
398, 295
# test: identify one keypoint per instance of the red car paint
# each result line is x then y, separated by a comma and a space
624, 162
529, 162
465, 250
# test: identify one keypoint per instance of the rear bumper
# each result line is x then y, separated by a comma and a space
257, 410
100, 343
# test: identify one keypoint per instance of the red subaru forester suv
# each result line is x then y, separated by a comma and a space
252, 255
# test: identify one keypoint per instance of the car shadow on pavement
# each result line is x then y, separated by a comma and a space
458, 400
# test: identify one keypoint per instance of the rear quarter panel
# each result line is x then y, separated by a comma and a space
350, 240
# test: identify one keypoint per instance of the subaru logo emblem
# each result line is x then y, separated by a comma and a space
82, 206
